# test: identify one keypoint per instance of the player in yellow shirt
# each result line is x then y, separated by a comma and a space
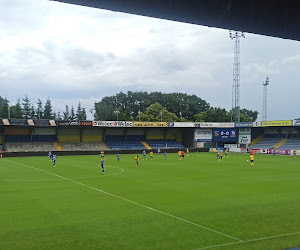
220, 156
252, 160
137, 159
179, 154
187, 152
102, 154
151, 156
295, 152
226, 153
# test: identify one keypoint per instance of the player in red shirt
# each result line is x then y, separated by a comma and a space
182, 154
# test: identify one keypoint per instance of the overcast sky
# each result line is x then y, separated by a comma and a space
73, 53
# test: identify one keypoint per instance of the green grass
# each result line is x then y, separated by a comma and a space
150, 207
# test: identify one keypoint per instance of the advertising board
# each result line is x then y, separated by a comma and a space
277, 123
224, 135
150, 124
245, 135
181, 124
296, 122
112, 124
279, 151
214, 124
201, 135
244, 124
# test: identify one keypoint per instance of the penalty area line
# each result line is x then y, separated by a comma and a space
248, 241
130, 201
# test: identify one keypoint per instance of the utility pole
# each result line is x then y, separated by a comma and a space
264, 111
235, 114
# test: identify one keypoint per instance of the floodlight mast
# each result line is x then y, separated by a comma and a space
264, 111
235, 113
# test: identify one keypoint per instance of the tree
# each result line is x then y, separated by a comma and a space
57, 116
250, 113
129, 105
26, 108
4, 107
39, 110
32, 111
72, 115
81, 113
213, 115
48, 110
66, 113
221, 115
156, 112
16, 110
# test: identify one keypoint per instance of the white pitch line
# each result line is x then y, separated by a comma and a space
133, 202
71, 178
247, 241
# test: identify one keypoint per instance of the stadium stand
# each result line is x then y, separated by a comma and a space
84, 146
266, 143
164, 144
68, 135
29, 146
122, 144
292, 143
92, 135
125, 142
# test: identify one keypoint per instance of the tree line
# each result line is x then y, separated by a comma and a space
130, 106
25, 109
157, 106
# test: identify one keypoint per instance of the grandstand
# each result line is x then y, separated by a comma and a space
29, 146
292, 143
266, 143
85, 146
125, 145
164, 144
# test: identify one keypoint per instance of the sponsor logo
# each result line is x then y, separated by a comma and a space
277, 123
112, 124
296, 122
150, 124
74, 123
171, 124
279, 151
244, 124
85, 123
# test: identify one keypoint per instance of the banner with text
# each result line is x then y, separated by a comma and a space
74, 123
277, 123
181, 124
214, 124
245, 135
112, 124
279, 151
202, 134
150, 124
224, 135
244, 124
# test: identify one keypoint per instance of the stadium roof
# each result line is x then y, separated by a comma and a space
277, 18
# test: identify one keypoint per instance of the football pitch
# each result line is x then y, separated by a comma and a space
197, 203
